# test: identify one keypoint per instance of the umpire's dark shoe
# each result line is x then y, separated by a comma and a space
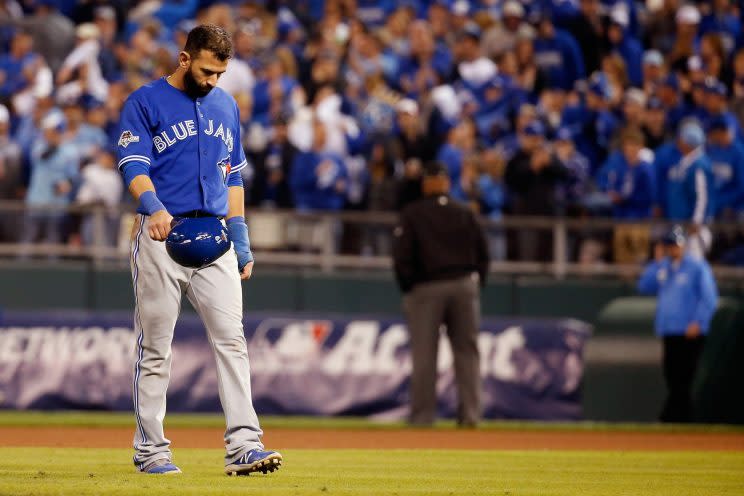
255, 461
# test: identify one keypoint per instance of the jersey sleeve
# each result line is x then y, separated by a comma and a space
135, 138
237, 156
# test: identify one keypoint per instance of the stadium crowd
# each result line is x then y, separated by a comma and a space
563, 107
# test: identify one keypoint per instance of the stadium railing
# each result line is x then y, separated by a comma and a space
289, 238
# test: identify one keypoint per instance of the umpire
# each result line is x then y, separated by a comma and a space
441, 256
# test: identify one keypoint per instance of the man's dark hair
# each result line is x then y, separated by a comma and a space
211, 38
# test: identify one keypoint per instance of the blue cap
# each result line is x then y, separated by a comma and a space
186, 26
718, 123
534, 128
692, 133
90, 102
497, 81
54, 119
715, 87
470, 30
653, 57
671, 81
537, 14
599, 85
564, 134
675, 236
654, 103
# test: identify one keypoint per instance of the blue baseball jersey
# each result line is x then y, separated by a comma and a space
688, 187
727, 165
190, 146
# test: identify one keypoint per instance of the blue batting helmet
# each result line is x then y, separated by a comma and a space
197, 242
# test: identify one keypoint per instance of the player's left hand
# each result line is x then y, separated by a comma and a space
247, 271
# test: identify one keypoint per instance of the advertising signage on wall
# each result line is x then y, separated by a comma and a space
531, 369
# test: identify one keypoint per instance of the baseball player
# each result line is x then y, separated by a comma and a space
180, 155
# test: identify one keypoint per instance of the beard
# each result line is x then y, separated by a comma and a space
193, 88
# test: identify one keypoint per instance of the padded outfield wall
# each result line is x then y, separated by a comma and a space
622, 379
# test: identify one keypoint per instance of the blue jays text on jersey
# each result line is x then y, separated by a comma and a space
191, 147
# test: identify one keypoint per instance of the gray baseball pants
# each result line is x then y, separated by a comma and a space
456, 304
215, 292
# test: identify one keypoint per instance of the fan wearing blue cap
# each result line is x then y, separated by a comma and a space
86, 138
592, 122
685, 181
686, 300
727, 158
674, 104
556, 52
715, 103
572, 191
654, 123
54, 169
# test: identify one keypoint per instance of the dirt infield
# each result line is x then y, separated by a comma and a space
278, 438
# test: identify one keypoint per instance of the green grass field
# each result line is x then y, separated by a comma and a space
125, 419
78, 471
40, 471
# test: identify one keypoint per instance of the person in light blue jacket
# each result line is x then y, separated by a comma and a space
55, 165
686, 301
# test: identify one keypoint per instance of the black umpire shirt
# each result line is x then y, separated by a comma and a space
438, 238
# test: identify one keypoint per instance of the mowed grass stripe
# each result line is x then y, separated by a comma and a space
126, 419
40, 471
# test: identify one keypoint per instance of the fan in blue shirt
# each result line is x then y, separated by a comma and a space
623, 42
318, 179
592, 122
727, 159
684, 176
557, 53
628, 179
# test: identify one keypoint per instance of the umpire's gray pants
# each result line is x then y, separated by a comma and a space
455, 303
215, 293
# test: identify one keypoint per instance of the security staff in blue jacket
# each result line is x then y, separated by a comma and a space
687, 298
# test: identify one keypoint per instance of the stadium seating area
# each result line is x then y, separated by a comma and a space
625, 109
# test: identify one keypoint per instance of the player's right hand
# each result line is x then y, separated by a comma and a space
160, 225
247, 271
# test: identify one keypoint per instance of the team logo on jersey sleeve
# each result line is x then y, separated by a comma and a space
126, 138
225, 167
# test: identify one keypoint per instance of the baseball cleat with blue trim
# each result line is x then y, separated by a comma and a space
255, 461
161, 467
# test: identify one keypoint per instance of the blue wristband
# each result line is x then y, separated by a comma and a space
239, 235
150, 203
